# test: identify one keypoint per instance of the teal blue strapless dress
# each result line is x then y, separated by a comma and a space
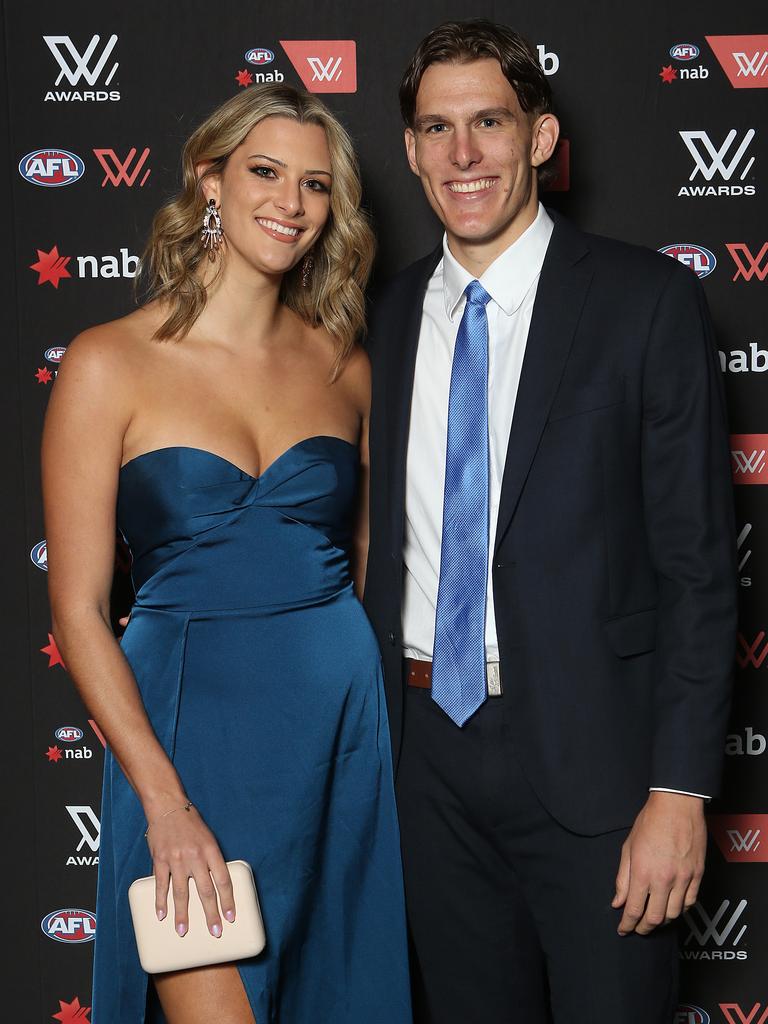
262, 679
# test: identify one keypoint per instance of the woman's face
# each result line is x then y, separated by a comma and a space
274, 194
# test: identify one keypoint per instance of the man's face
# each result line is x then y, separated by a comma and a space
475, 149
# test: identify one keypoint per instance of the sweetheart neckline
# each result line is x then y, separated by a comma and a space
228, 462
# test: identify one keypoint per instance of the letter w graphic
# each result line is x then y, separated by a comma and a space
328, 72
749, 266
750, 655
118, 172
83, 817
753, 463
717, 156
744, 842
81, 69
752, 66
729, 1009
710, 929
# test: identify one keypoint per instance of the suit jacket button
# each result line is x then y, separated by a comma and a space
391, 638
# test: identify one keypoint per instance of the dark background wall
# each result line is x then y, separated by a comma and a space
113, 129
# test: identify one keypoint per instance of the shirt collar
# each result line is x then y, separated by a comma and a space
511, 274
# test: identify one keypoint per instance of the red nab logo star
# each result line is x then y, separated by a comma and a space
50, 266
44, 376
668, 74
244, 78
54, 754
54, 656
72, 1013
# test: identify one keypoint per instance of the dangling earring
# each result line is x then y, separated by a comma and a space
212, 234
306, 269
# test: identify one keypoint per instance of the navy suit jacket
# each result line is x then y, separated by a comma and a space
614, 575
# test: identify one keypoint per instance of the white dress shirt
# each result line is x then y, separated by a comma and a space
511, 281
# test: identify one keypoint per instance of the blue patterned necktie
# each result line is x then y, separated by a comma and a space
458, 661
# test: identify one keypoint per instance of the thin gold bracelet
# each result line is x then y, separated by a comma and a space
173, 810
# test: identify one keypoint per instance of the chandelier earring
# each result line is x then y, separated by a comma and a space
306, 269
212, 234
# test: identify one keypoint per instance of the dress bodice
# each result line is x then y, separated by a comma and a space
204, 534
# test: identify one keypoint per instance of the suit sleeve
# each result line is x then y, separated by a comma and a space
688, 508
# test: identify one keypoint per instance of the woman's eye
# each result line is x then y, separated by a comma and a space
316, 186
262, 172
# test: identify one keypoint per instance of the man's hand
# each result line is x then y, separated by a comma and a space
662, 861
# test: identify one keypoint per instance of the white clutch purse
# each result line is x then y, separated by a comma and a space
162, 949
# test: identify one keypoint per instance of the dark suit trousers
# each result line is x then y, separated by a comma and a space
509, 912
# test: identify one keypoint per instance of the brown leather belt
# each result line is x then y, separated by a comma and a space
419, 673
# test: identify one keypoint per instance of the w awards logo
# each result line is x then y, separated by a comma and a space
717, 936
744, 59
324, 65
749, 463
93, 67
717, 164
741, 837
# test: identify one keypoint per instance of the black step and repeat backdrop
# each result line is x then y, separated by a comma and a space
666, 144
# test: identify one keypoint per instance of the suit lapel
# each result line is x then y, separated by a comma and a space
562, 289
399, 391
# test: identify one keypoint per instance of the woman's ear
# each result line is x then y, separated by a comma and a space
210, 184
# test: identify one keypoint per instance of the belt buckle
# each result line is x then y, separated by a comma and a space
493, 678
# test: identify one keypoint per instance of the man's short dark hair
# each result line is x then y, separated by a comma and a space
459, 42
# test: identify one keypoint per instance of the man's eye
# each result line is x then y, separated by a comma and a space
489, 122
435, 129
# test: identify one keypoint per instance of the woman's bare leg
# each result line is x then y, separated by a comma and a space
203, 995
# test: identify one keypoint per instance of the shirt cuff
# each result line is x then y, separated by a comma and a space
682, 792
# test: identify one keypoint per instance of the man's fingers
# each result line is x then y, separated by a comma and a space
676, 901
162, 878
634, 907
692, 892
622, 878
655, 910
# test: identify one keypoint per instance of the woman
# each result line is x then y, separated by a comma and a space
221, 426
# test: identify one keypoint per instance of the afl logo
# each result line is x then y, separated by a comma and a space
684, 51
55, 354
39, 555
700, 260
689, 1014
51, 167
69, 925
259, 55
69, 733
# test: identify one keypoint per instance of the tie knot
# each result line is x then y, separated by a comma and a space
477, 294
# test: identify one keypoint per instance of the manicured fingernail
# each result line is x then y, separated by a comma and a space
230, 915
161, 915
181, 928
216, 930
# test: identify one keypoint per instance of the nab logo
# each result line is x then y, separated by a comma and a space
324, 65
51, 267
684, 51
700, 260
747, 265
689, 1014
69, 925
69, 734
52, 168
259, 56
72, 1013
744, 59
748, 458
734, 1014
118, 172
740, 836
88, 66
39, 555
722, 929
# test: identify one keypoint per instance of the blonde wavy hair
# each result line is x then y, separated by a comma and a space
342, 255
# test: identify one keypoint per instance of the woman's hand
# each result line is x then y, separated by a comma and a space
183, 847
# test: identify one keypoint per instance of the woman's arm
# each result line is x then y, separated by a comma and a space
90, 409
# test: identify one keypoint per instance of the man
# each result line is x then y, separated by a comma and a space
551, 571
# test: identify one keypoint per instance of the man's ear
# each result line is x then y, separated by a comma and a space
210, 184
410, 149
546, 132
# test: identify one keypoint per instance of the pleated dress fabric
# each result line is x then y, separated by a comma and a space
261, 677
